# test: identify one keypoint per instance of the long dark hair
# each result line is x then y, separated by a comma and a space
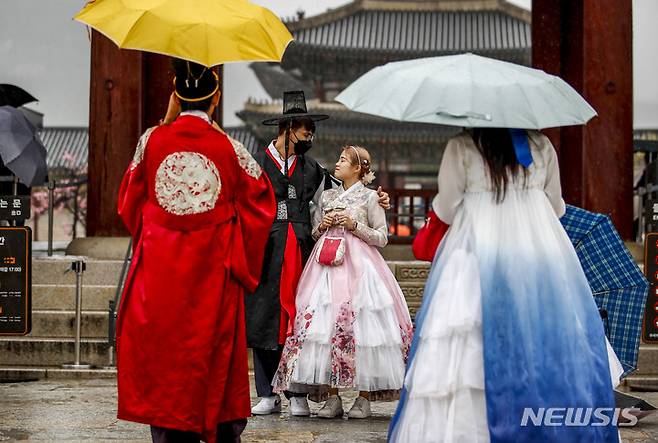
497, 148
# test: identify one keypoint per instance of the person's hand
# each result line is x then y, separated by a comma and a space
327, 222
384, 199
344, 220
173, 109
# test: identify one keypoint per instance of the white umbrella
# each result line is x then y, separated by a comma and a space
467, 90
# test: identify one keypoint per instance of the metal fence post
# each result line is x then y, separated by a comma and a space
51, 215
75, 212
79, 267
113, 311
111, 333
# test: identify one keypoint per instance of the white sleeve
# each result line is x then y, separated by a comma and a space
376, 233
317, 218
452, 182
552, 187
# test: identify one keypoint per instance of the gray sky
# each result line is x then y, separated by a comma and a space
46, 52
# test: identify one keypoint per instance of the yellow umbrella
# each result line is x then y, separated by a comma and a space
209, 32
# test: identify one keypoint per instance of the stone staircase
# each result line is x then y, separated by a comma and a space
51, 341
645, 378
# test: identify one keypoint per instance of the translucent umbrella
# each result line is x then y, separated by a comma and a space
209, 32
469, 91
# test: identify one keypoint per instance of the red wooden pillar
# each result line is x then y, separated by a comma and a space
129, 93
589, 44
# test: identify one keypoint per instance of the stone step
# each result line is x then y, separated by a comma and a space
30, 373
647, 362
35, 351
52, 271
642, 382
413, 293
53, 297
406, 271
59, 323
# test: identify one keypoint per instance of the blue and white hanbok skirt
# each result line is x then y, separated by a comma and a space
508, 322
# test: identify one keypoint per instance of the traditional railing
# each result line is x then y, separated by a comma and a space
408, 211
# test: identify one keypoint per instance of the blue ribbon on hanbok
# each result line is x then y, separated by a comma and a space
521, 147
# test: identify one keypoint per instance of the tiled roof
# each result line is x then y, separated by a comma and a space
246, 137
421, 32
429, 26
275, 80
68, 147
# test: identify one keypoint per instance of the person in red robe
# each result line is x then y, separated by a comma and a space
199, 209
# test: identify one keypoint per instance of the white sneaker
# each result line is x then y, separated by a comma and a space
360, 408
299, 407
267, 405
332, 408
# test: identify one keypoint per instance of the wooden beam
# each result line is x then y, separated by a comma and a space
115, 123
589, 44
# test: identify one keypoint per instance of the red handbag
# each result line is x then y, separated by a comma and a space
429, 237
331, 252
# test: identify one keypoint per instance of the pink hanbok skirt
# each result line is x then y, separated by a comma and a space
352, 328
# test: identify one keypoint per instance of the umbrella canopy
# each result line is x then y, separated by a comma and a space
468, 91
618, 285
20, 148
12, 95
209, 32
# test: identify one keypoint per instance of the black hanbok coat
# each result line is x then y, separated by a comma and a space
263, 307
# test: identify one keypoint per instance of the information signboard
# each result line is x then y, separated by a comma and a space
650, 330
14, 207
15, 280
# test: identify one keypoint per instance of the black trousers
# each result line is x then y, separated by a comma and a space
228, 432
266, 362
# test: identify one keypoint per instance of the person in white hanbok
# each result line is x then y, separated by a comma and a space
508, 320
353, 328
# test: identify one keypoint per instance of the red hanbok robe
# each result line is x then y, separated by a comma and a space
199, 209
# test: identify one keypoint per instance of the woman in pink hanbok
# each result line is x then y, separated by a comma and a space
352, 329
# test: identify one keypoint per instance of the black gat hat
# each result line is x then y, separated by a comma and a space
294, 107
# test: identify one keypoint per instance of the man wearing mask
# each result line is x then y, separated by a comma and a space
298, 180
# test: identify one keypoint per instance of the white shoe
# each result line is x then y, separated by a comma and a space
360, 408
332, 408
299, 407
267, 405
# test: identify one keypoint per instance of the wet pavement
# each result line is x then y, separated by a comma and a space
85, 411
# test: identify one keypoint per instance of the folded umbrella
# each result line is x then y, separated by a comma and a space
209, 32
468, 91
619, 287
20, 148
12, 95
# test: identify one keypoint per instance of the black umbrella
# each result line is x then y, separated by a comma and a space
642, 408
20, 148
12, 95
